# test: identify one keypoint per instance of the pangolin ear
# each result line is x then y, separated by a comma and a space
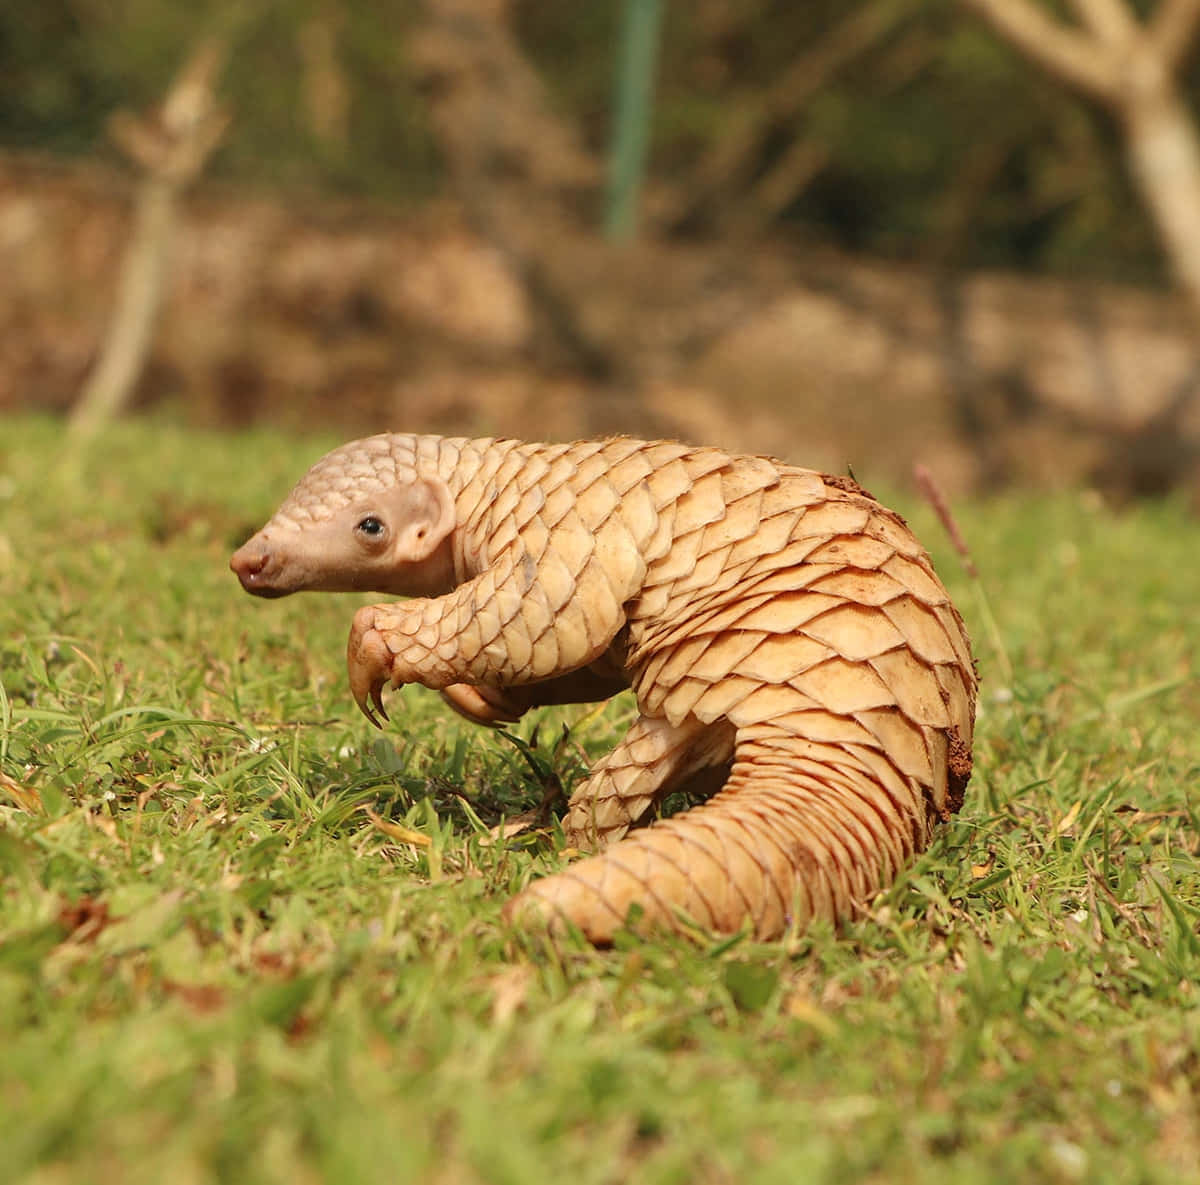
428, 516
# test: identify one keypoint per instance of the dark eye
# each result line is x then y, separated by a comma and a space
371, 527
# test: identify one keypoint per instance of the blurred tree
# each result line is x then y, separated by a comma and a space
299, 71
170, 148
762, 156
898, 127
326, 86
51, 94
1132, 68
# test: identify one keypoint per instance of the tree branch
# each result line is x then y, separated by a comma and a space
1070, 56
730, 158
1172, 30
1110, 21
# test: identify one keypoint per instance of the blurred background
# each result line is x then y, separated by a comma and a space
847, 232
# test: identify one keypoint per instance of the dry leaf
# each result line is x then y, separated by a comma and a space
800, 1007
26, 797
517, 825
396, 831
1068, 820
509, 990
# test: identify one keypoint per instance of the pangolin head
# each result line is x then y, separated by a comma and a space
368, 516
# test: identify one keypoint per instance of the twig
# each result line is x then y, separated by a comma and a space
928, 486
932, 492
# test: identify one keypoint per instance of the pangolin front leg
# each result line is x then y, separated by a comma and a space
495, 631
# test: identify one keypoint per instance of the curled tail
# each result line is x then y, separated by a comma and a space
802, 830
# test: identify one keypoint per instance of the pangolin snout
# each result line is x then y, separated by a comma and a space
251, 563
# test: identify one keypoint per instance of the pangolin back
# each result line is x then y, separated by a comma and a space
795, 610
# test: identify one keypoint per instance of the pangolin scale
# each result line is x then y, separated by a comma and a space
785, 636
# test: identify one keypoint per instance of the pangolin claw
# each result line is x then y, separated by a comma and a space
372, 703
369, 662
377, 700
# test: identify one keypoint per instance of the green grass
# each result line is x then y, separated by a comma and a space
216, 965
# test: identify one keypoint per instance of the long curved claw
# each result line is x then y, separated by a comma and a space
377, 701
369, 697
369, 664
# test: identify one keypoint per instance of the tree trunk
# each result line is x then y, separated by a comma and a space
1131, 65
1163, 151
139, 299
170, 147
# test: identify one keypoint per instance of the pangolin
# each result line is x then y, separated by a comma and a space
785, 636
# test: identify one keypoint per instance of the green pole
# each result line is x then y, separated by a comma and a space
634, 103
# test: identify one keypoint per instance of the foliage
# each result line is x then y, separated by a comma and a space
936, 132
217, 965
939, 143
63, 73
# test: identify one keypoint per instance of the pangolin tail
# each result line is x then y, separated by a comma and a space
802, 830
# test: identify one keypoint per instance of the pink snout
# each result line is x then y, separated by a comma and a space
252, 565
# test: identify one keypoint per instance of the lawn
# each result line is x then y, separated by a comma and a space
246, 938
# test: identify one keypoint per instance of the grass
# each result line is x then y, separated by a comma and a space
245, 938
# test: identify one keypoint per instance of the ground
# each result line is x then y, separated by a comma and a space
244, 937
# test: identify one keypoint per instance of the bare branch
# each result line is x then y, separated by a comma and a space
730, 158
1067, 54
1172, 30
783, 181
1109, 20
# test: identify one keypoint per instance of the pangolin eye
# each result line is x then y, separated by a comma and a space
371, 526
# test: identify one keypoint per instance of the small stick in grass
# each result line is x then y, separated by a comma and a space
934, 495
929, 487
